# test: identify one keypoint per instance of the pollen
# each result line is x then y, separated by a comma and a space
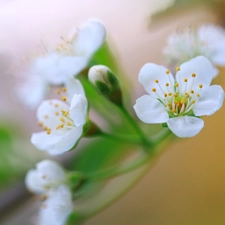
48, 132
40, 124
58, 91
68, 124
59, 126
165, 95
178, 69
193, 75
192, 91
153, 89
65, 113
193, 101
64, 89
200, 86
167, 71
169, 104
57, 113
157, 81
175, 95
170, 93
62, 119
185, 80
45, 128
64, 98
187, 95
176, 84
198, 95
167, 84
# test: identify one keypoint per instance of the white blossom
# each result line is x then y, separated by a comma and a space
61, 120
57, 207
67, 60
179, 101
47, 175
208, 40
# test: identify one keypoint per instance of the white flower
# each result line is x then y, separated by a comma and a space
179, 102
61, 64
47, 175
62, 122
57, 207
208, 40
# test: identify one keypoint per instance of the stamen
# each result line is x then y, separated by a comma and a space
58, 91
167, 84
185, 80
62, 119
68, 124
65, 113
157, 81
175, 95
200, 86
178, 69
57, 113
43, 176
48, 132
197, 95
193, 75
59, 126
153, 89
165, 95
170, 93
193, 101
64, 98
40, 123
56, 105
192, 91
46, 116
167, 71
45, 128
176, 84
64, 89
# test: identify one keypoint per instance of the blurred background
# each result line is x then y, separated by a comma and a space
187, 184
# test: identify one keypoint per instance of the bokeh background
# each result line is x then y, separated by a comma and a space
187, 184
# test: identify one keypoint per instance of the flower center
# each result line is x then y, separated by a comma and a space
178, 98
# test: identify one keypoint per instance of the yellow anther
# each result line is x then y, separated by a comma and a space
192, 91
200, 86
174, 110
58, 91
169, 104
157, 81
178, 69
68, 124
193, 75
170, 93
62, 119
197, 95
153, 89
193, 101
56, 105
40, 123
167, 84
46, 116
48, 132
185, 80
165, 95
56, 113
63, 98
167, 71
187, 95
176, 84
59, 126
64, 89
182, 101
65, 113
175, 95
45, 128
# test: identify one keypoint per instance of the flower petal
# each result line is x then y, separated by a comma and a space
150, 110
73, 86
49, 113
210, 100
89, 39
78, 109
185, 126
151, 72
203, 69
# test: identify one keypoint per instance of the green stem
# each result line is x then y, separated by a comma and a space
145, 141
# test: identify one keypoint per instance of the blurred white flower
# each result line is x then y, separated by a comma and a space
48, 175
62, 124
179, 102
57, 207
66, 61
208, 40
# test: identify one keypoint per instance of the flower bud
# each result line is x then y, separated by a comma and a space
106, 82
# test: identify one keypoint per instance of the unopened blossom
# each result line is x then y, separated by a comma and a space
179, 102
62, 122
47, 175
208, 40
66, 61
57, 207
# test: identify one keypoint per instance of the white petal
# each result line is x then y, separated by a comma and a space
71, 66
48, 113
73, 86
47, 174
151, 72
78, 109
57, 208
210, 100
66, 142
185, 126
89, 39
150, 110
203, 69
